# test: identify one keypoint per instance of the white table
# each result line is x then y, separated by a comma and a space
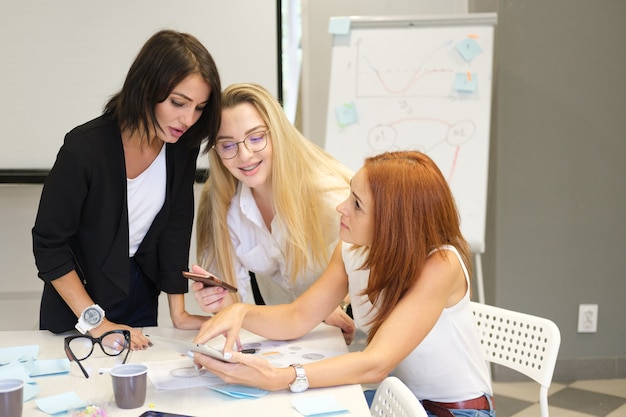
200, 401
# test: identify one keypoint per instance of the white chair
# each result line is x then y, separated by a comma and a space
525, 343
394, 399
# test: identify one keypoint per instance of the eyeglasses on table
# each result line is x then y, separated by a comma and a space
113, 343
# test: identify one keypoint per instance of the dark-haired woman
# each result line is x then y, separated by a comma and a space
114, 223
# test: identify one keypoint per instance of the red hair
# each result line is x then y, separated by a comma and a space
414, 213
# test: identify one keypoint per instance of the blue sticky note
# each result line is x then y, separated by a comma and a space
62, 402
465, 82
239, 391
50, 367
468, 48
318, 406
346, 114
18, 353
16, 371
339, 25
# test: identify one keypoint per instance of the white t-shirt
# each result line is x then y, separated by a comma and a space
146, 195
448, 365
258, 250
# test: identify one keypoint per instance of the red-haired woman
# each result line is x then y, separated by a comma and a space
405, 264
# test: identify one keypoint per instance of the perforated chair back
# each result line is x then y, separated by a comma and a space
525, 343
394, 399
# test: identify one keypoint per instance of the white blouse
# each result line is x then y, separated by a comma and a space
263, 252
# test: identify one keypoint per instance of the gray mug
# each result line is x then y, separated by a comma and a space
11, 397
129, 385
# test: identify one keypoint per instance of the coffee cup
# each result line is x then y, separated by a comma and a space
11, 397
129, 385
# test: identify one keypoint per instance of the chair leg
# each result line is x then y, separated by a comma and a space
543, 401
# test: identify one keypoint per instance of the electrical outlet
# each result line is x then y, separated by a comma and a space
587, 318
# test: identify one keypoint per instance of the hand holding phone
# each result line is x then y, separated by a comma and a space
209, 280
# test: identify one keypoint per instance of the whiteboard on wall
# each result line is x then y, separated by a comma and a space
422, 83
62, 60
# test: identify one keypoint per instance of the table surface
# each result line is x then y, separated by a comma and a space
200, 401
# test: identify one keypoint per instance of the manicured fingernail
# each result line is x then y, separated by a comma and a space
228, 355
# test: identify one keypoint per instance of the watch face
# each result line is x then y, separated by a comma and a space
92, 316
299, 386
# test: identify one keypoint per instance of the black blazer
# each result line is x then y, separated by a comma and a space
82, 222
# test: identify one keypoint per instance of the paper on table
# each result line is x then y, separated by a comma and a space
58, 403
48, 367
178, 374
16, 371
239, 391
318, 406
30, 390
18, 353
283, 353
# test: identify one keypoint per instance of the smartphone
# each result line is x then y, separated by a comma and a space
152, 413
209, 281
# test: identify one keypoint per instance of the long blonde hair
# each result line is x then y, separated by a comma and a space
299, 195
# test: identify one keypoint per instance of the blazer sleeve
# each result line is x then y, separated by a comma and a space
59, 213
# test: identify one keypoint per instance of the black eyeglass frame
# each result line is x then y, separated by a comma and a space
264, 132
96, 340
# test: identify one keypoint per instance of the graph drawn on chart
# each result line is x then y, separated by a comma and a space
424, 70
422, 87
440, 138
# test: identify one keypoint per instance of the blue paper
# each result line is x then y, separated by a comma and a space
465, 82
318, 406
18, 354
339, 25
16, 371
346, 114
50, 367
468, 48
30, 391
239, 391
62, 402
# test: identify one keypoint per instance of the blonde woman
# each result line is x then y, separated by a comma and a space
268, 206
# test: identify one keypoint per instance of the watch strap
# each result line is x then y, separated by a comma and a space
83, 326
301, 382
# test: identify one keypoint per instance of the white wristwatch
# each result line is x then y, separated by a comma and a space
301, 383
90, 318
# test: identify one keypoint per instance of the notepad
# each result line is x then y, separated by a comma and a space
318, 406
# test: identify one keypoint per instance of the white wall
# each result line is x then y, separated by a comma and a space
60, 63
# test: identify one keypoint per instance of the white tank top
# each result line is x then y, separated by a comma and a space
146, 195
448, 365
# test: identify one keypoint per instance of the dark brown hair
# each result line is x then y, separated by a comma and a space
165, 60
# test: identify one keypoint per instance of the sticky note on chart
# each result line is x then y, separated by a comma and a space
469, 49
346, 114
339, 25
465, 82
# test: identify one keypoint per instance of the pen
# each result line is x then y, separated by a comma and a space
251, 350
